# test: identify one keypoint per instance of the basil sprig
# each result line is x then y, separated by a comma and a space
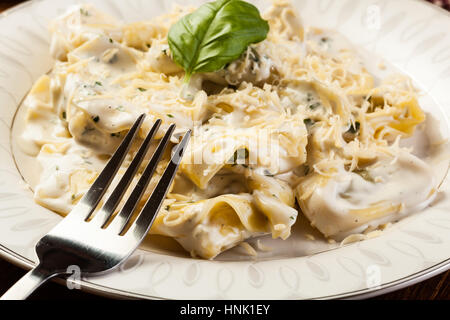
214, 35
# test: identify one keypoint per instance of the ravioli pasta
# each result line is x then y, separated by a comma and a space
297, 124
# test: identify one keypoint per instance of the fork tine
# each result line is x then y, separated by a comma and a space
89, 202
113, 201
118, 223
146, 217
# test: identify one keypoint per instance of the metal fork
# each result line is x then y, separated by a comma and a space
78, 241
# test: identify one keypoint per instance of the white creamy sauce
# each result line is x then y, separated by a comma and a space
350, 202
56, 188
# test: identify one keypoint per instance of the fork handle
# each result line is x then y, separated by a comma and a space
27, 284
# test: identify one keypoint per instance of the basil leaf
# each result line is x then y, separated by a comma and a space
214, 35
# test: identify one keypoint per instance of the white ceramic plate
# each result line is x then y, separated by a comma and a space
411, 35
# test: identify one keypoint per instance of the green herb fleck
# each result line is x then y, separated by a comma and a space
170, 116
64, 115
314, 106
354, 128
84, 12
96, 119
267, 173
306, 172
239, 157
254, 56
98, 83
142, 89
364, 173
120, 108
308, 122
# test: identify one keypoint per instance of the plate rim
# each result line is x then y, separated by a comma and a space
109, 292
361, 294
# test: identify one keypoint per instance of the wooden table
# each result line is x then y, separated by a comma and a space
435, 288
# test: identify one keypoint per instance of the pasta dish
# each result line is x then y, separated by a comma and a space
295, 128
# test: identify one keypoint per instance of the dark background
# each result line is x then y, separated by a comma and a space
437, 288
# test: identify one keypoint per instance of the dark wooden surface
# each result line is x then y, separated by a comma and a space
437, 288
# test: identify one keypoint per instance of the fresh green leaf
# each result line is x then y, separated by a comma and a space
214, 35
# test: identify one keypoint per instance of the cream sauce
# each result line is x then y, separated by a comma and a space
350, 202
